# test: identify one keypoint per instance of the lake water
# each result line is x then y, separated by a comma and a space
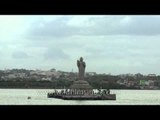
39, 97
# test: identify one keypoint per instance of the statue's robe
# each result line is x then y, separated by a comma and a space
81, 67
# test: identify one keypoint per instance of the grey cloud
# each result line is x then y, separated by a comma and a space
108, 25
19, 55
55, 54
93, 50
55, 28
136, 25
119, 52
143, 25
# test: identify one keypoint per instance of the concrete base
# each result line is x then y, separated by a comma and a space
84, 97
80, 84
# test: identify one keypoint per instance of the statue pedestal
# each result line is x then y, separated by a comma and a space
80, 84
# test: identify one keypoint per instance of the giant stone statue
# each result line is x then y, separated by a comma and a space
81, 84
81, 67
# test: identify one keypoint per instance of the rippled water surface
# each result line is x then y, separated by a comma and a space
39, 97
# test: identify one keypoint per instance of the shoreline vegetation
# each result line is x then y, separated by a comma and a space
59, 85
52, 79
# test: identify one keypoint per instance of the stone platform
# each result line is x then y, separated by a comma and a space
80, 84
83, 97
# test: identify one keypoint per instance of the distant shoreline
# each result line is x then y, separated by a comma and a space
62, 88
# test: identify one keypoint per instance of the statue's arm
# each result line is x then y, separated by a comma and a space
78, 64
84, 64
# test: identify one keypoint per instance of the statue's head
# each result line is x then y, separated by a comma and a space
81, 59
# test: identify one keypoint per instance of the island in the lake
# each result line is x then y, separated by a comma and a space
81, 89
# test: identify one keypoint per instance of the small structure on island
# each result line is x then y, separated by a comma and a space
81, 89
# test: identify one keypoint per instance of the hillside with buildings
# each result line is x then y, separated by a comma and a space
22, 78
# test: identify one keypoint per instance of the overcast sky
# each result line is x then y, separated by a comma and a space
109, 44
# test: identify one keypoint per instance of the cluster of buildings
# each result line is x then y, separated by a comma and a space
37, 75
137, 81
150, 81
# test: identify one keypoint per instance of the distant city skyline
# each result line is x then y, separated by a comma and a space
116, 44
